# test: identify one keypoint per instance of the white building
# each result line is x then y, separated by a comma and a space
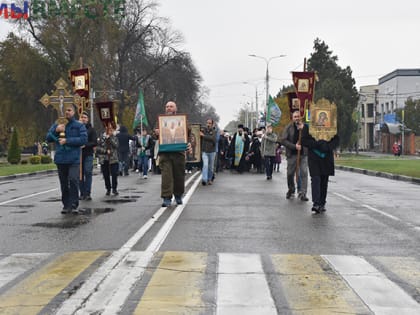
376, 101
367, 113
394, 90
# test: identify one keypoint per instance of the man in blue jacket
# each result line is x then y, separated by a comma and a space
69, 138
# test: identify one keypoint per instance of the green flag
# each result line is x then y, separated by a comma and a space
273, 112
140, 118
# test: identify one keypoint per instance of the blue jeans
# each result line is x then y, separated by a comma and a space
69, 183
144, 163
208, 166
124, 162
87, 172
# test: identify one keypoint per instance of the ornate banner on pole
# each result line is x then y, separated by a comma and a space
304, 85
323, 124
80, 80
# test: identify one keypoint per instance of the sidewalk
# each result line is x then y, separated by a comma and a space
16, 176
409, 179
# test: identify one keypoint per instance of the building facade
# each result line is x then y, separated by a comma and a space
366, 120
394, 90
379, 102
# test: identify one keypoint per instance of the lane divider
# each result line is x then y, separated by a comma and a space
28, 196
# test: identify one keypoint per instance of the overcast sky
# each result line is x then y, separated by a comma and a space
373, 37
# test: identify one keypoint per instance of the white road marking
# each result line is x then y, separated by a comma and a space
107, 289
380, 294
27, 196
382, 212
242, 287
369, 207
344, 197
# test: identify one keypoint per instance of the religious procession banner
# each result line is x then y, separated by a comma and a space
323, 124
194, 139
173, 133
273, 112
304, 85
106, 113
80, 80
140, 118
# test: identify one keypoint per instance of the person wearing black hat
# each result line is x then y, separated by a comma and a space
238, 148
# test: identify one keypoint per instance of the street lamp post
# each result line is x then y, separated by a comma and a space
256, 101
267, 77
249, 117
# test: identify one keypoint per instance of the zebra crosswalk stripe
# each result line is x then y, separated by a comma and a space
33, 293
176, 285
202, 283
380, 294
242, 287
311, 287
15, 265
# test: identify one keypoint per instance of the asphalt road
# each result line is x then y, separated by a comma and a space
241, 220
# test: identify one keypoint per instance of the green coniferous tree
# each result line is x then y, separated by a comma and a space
13, 156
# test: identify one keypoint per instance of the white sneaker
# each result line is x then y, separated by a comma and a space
137, 170
144, 176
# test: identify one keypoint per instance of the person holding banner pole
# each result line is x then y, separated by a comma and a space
297, 161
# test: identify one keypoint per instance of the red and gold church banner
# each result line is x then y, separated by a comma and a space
304, 85
106, 113
80, 80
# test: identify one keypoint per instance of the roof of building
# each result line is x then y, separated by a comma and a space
400, 73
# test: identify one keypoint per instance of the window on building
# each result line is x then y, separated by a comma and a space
363, 110
370, 110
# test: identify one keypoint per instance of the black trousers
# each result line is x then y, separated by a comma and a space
319, 185
110, 174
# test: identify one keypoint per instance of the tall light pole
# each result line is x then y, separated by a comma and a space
267, 77
256, 100
249, 116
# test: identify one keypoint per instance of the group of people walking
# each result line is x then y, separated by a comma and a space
303, 152
77, 143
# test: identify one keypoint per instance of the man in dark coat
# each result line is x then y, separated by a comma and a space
124, 149
321, 166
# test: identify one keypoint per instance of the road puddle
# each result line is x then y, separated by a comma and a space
69, 221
